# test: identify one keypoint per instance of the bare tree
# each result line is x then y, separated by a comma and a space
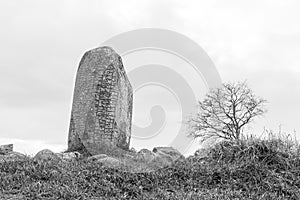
225, 111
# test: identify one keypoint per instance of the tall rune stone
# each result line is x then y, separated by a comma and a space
102, 104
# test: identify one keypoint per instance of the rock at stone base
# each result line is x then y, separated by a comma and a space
143, 161
128, 156
110, 162
69, 156
133, 150
12, 196
166, 156
160, 156
174, 154
12, 156
105, 160
47, 155
96, 157
5, 149
145, 155
202, 153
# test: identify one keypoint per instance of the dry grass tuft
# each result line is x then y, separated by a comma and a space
253, 168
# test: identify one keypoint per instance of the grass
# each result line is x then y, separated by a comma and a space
253, 168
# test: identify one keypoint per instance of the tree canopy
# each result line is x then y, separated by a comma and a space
225, 111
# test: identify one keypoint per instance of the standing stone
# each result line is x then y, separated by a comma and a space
102, 104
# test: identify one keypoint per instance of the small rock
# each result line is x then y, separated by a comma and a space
12, 156
166, 156
169, 152
12, 196
110, 162
5, 149
105, 160
96, 157
202, 153
47, 155
145, 155
159, 156
133, 150
69, 156
128, 156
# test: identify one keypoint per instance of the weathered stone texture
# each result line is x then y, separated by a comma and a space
12, 156
5, 149
47, 156
161, 156
102, 103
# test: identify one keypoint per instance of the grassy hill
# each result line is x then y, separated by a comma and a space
249, 169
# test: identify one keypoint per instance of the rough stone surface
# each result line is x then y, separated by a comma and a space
12, 196
12, 156
167, 155
202, 153
46, 155
5, 149
162, 156
174, 154
110, 162
69, 156
145, 155
142, 161
106, 160
133, 150
102, 104
96, 157
128, 156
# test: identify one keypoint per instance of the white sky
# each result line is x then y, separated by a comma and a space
41, 43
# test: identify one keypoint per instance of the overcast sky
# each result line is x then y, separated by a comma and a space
41, 44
